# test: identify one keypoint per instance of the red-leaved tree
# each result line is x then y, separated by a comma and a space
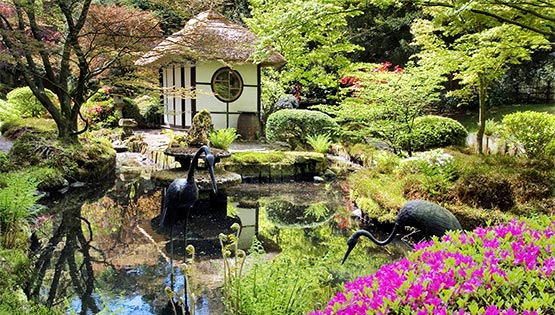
67, 46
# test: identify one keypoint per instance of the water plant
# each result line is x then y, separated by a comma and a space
180, 305
503, 269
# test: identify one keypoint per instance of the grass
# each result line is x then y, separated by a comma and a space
470, 119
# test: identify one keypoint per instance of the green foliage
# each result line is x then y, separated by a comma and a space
26, 103
5, 163
291, 126
8, 112
309, 34
435, 132
435, 170
150, 110
131, 110
223, 138
533, 133
283, 286
17, 202
476, 56
384, 103
85, 162
319, 143
272, 90
13, 269
99, 110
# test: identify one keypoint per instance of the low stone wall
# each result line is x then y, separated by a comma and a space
276, 167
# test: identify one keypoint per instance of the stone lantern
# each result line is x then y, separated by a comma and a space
117, 94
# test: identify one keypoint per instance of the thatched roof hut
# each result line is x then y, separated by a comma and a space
208, 36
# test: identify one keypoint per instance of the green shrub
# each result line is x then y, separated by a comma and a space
99, 110
131, 110
319, 143
150, 109
434, 132
531, 132
26, 103
222, 138
292, 125
8, 112
436, 171
5, 163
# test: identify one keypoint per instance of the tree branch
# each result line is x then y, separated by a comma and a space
495, 16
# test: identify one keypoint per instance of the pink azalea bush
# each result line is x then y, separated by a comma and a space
501, 270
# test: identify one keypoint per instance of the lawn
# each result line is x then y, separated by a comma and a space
470, 119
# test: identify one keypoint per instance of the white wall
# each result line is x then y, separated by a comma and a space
224, 115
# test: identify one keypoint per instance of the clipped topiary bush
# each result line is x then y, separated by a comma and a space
292, 125
26, 103
433, 131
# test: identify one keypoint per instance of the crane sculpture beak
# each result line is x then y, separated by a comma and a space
349, 249
210, 163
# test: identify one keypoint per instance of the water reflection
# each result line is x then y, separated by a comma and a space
105, 253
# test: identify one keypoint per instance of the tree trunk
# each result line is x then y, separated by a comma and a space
482, 96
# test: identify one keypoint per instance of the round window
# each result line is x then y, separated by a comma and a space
227, 84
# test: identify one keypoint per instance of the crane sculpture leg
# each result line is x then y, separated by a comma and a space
180, 197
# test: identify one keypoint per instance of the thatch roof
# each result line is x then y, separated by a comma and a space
208, 36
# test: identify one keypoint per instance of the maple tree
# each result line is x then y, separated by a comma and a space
67, 47
475, 48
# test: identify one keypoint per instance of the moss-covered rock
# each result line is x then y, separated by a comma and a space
276, 166
91, 160
200, 129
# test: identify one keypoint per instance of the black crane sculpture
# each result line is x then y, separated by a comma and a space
182, 193
430, 218
180, 197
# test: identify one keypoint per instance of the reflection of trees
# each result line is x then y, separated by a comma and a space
64, 266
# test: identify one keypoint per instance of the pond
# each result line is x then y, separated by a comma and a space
103, 250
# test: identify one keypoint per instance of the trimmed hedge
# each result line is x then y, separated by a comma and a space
293, 125
436, 132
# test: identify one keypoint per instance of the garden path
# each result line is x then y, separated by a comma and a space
5, 144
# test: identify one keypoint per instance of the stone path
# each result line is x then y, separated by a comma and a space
159, 141
5, 144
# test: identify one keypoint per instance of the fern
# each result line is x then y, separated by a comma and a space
18, 198
319, 143
222, 138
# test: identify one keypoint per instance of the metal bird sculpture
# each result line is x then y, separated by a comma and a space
182, 193
430, 218
179, 198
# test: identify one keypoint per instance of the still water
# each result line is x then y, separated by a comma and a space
103, 251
